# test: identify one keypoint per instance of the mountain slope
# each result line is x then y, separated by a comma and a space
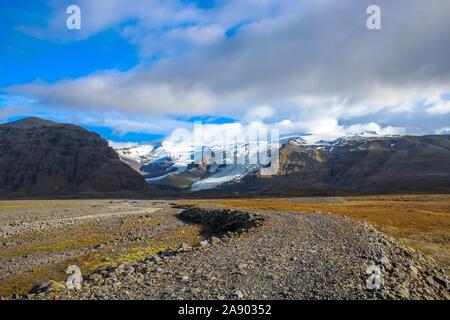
363, 165
45, 158
354, 164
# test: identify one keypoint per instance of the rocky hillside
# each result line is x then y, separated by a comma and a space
44, 158
357, 164
360, 165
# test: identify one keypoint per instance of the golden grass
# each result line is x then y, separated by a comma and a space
42, 204
165, 240
419, 221
71, 238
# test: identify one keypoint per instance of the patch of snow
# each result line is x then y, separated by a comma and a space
140, 153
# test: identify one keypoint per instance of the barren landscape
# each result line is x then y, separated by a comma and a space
290, 248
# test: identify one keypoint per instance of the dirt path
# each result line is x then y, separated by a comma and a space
293, 256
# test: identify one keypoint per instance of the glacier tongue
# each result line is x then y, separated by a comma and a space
227, 174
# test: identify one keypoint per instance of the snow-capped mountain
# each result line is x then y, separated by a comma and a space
141, 153
166, 161
171, 165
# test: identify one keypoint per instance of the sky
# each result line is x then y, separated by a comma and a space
138, 70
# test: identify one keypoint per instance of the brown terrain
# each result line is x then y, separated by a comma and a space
119, 245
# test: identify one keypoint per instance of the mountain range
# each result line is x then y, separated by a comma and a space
354, 164
41, 158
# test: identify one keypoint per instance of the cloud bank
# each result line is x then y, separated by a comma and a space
300, 65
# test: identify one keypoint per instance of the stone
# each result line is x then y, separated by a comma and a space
184, 247
51, 286
443, 282
215, 241
239, 294
403, 293
195, 291
129, 269
242, 265
413, 271
204, 243
75, 279
383, 261
156, 259
96, 278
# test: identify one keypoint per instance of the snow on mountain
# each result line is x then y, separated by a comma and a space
159, 161
141, 153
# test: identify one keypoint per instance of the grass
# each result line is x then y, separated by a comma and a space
419, 221
166, 240
40, 204
71, 238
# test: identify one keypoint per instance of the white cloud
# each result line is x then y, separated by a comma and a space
121, 125
312, 131
445, 130
197, 35
313, 62
259, 113
113, 90
440, 107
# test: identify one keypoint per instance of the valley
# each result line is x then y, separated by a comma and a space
142, 249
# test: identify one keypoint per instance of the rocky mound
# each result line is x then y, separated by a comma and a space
222, 221
45, 158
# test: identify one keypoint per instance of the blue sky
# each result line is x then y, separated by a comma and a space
138, 70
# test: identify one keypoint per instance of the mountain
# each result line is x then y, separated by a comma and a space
168, 167
137, 155
358, 165
352, 164
44, 158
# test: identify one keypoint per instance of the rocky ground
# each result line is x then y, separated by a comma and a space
270, 255
39, 239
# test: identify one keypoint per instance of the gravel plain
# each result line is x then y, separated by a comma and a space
270, 255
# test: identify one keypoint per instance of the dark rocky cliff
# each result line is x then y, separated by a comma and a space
45, 158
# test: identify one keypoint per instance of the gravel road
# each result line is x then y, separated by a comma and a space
291, 256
